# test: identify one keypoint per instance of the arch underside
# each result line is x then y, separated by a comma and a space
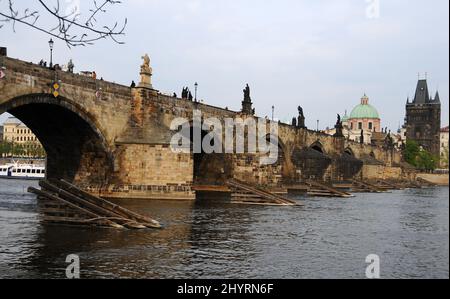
75, 150
311, 162
348, 166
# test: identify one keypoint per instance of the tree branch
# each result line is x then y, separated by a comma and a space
68, 28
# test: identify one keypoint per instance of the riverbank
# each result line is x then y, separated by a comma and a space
437, 179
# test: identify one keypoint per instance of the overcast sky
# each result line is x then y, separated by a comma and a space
321, 54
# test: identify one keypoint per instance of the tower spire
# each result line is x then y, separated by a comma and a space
437, 98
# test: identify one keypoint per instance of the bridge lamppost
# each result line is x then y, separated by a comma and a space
196, 87
51, 43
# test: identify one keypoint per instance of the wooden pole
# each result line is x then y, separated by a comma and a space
106, 204
78, 208
88, 205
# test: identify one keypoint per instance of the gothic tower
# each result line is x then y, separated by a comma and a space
423, 119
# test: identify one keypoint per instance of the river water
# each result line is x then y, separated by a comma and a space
328, 238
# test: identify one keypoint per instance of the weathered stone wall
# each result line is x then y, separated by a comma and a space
371, 172
142, 164
438, 179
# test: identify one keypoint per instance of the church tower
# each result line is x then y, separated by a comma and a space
423, 119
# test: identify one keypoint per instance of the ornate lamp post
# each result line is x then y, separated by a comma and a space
51, 43
273, 113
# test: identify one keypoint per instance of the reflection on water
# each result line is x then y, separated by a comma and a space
328, 238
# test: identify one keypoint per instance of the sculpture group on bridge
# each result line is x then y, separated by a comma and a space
187, 94
299, 122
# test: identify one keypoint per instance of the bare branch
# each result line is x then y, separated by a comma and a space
68, 26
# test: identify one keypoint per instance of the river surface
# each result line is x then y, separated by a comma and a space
328, 238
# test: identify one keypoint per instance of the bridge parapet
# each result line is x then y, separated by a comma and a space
43, 73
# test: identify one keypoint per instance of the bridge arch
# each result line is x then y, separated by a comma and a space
317, 146
75, 145
311, 162
347, 165
348, 151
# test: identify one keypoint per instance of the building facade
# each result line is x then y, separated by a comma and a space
22, 138
423, 119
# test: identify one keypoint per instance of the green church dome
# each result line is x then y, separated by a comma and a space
364, 110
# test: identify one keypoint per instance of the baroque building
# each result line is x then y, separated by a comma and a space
16, 132
364, 122
364, 117
423, 119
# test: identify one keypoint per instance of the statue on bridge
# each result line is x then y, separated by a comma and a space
294, 122
70, 66
145, 67
301, 118
247, 94
339, 127
146, 73
247, 103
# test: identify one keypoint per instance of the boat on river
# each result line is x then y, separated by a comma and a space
22, 171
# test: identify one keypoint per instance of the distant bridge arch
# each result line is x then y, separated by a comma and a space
349, 152
317, 146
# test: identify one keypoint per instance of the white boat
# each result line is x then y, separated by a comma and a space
22, 171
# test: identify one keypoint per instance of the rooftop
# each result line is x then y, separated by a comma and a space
364, 110
422, 95
12, 121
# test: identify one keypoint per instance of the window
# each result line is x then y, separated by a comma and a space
370, 126
360, 126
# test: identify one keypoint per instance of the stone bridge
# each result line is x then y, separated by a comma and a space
115, 140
